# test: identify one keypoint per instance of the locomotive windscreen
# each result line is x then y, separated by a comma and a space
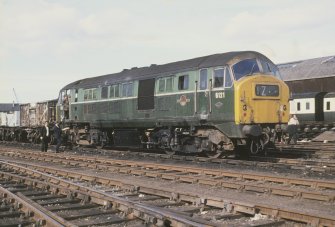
245, 67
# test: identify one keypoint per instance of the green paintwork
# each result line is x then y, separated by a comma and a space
175, 108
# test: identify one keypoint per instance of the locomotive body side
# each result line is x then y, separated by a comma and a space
210, 104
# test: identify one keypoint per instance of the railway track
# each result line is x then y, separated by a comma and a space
275, 160
268, 185
78, 201
261, 183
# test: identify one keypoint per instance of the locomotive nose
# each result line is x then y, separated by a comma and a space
261, 99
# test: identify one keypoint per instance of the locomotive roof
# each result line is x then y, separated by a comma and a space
163, 70
308, 69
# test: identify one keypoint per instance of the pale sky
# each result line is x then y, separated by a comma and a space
46, 44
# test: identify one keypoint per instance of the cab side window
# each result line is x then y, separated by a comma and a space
222, 78
218, 77
127, 89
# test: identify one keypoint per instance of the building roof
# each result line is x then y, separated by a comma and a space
330, 95
7, 107
308, 69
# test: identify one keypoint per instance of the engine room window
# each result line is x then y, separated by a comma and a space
245, 67
307, 105
267, 90
203, 79
165, 84
298, 106
127, 90
183, 82
161, 85
169, 84
114, 91
328, 106
94, 91
104, 92
90, 94
218, 77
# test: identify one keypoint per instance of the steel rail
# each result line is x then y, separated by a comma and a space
187, 196
314, 183
38, 213
155, 212
272, 162
210, 178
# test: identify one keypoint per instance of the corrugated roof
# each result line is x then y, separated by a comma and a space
6, 107
164, 70
308, 69
330, 95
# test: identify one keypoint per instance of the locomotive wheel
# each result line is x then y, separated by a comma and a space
169, 152
214, 154
256, 147
101, 145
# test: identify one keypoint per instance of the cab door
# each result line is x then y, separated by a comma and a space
221, 94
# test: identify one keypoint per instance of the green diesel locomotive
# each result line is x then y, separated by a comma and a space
213, 104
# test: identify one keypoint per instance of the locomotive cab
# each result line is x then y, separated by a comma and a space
261, 100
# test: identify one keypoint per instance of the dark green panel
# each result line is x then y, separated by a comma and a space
165, 106
222, 105
185, 104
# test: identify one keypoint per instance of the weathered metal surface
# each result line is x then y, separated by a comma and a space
9, 114
35, 114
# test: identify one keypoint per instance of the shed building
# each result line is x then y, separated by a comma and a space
9, 114
312, 75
